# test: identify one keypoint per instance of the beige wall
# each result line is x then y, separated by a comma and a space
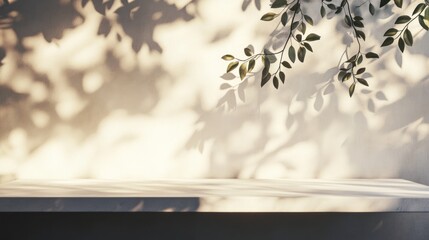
94, 109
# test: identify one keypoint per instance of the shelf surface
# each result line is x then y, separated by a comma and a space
215, 195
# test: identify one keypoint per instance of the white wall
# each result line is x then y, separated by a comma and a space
154, 115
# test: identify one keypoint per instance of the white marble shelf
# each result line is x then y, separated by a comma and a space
216, 195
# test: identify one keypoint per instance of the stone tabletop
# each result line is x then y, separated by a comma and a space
216, 195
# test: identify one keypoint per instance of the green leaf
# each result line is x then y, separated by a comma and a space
268, 16
286, 64
248, 52
341, 75
371, 9
292, 54
398, 3
312, 37
352, 89
360, 34
282, 76
347, 77
383, 3
371, 55
279, 4
408, 37
359, 60
401, 44
228, 57
422, 23
301, 54
358, 24
232, 66
284, 18
362, 81
270, 56
302, 27
265, 79
295, 24
348, 21
322, 11
352, 58
402, 19
387, 42
296, 7
308, 19
391, 32
427, 13
243, 71
251, 65
308, 46
276, 82
419, 8
360, 71
298, 37
332, 6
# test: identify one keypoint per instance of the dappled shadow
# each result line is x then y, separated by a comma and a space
36, 101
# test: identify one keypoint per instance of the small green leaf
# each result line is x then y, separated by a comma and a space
371, 55
276, 82
419, 8
292, 54
251, 65
387, 42
360, 71
401, 44
232, 66
298, 37
359, 60
268, 16
279, 3
286, 64
398, 3
248, 52
265, 79
228, 57
282, 76
362, 81
352, 89
308, 46
422, 23
332, 6
322, 11
408, 37
284, 18
302, 27
312, 37
296, 7
391, 32
383, 3
358, 24
295, 24
271, 57
243, 71
371, 9
308, 19
341, 76
402, 19
301, 54
361, 34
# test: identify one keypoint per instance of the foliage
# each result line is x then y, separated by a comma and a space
295, 21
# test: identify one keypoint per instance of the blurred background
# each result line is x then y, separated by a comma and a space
136, 89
